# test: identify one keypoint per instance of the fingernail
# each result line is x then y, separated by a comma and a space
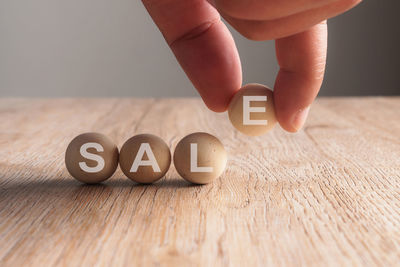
300, 118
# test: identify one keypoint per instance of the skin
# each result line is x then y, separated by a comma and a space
207, 52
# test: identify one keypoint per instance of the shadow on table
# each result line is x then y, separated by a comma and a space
67, 182
31, 196
58, 192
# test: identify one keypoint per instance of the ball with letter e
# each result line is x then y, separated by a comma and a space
252, 111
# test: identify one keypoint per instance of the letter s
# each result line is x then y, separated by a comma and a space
87, 155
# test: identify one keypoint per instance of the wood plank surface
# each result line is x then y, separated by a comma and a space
328, 195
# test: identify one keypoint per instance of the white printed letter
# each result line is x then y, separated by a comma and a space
145, 148
87, 155
193, 161
247, 109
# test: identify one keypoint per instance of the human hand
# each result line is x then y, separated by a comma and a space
207, 53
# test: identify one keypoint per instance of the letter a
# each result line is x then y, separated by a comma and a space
145, 148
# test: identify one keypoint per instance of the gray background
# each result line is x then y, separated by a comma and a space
112, 48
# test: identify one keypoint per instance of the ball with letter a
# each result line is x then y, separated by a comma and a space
145, 158
251, 110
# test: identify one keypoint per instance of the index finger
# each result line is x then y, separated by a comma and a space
202, 45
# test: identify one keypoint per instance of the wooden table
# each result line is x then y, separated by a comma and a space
326, 196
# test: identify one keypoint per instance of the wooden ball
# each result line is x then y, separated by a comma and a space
145, 158
251, 110
91, 158
200, 158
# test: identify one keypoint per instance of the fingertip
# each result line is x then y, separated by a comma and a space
219, 101
294, 122
285, 121
216, 107
293, 96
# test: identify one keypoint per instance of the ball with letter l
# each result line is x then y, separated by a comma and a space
200, 158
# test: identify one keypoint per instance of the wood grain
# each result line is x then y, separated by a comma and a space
326, 196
